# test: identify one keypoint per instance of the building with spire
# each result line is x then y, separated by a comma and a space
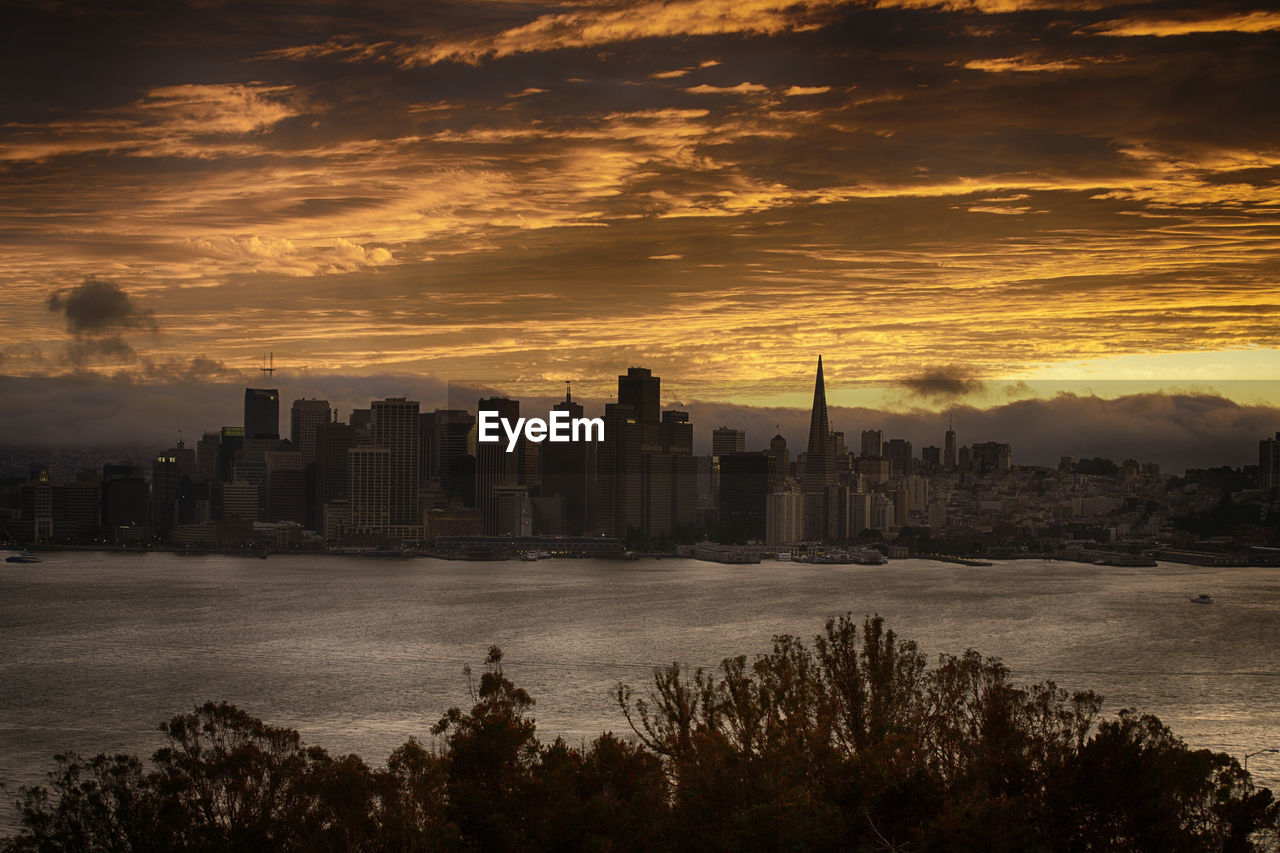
819, 466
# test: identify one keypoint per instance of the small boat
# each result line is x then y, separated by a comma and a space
24, 557
1202, 599
783, 556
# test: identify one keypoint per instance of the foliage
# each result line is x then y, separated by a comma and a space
853, 743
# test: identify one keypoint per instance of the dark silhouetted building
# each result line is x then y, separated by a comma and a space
641, 390
164, 494
746, 479
898, 452
725, 440
872, 444
304, 417
1269, 463
991, 456
332, 471
819, 467
568, 473
445, 434
675, 433
619, 495
125, 500
395, 427
261, 413
931, 456
494, 465
286, 485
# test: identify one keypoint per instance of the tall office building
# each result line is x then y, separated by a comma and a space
725, 440
1269, 463
784, 518
619, 494
261, 413
746, 479
445, 434
781, 459
872, 444
898, 452
124, 499
675, 434
395, 427
819, 468
641, 390
569, 473
361, 421
304, 417
207, 456
332, 477
991, 456
370, 478
841, 458
164, 494
949, 448
231, 440
286, 486
494, 465
669, 478
859, 513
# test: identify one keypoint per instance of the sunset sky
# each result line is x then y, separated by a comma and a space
519, 193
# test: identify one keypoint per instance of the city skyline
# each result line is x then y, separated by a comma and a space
1193, 429
396, 475
933, 195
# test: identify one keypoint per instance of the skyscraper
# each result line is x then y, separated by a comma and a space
898, 452
261, 413
781, 460
444, 435
569, 472
304, 417
669, 478
949, 448
332, 467
746, 479
618, 473
819, 470
370, 476
726, 440
395, 427
494, 465
641, 390
1269, 463
872, 444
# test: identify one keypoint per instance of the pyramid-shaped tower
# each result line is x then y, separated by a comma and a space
819, 465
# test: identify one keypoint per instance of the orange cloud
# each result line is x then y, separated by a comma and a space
1244, 22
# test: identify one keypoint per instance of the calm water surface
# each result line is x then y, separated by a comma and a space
361, 653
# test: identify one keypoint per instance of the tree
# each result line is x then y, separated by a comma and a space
491, 753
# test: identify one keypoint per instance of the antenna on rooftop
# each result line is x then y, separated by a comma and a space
268, 369
568, 397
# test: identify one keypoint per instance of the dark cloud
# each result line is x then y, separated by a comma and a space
85, 351
943, 383
98, 307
